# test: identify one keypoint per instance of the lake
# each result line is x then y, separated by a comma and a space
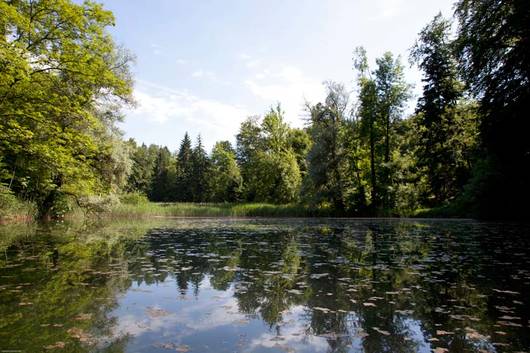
266, 285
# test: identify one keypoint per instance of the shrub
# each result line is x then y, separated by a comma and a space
134, 198
11, 207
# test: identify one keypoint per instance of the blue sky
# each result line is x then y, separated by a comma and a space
203, 66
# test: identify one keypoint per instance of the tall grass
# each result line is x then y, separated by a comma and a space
12, 209
151, 209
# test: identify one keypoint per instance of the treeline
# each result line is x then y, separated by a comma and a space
464, 151
267, 165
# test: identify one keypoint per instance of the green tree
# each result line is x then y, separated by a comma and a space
226, 182
183, 191
382, 96
268, 163
492, 47
274, 177
326, 180
299, 142
248, 143
392, 94
370, 127
275, 131
142, 169
62, 81
200, 172
162, 187
439, 126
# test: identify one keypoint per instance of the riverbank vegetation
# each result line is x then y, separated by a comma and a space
63, 82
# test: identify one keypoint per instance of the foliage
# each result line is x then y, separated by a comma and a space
11, 207
492, 46
445, 121
269, 165
142, 169
133, 198
226, 182
164, 175
62, 81
382, 96
325, 179
200, 172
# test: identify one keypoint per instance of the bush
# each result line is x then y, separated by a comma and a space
98, 204
11, 207
134, 198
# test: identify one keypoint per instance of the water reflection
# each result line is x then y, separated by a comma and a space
267, 286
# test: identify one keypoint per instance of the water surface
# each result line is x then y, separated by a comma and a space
302, 285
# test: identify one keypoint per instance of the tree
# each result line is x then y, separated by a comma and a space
370, 126
268, 164
226, 182
438, 113
326, 157
382, 96
274, 177
200, 171
392, 94
62, 81
183, 190
492, 45
142, 169
163, 177
299, 142
275, 131
248, 140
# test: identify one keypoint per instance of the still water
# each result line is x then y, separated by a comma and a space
209, 285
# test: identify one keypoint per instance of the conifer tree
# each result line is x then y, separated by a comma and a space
184, 179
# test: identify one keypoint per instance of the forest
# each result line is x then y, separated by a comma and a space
463, 152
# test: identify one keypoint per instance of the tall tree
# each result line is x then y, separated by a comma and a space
200, 165
299, 142
163, 177
437, 111
392, 94
370, 126
274, 130
248, 142
183, 189
493, 41
326, 157
225, 178
141, 175
62, 81
268, 164
382, 96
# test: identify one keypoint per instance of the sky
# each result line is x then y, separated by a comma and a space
204, 66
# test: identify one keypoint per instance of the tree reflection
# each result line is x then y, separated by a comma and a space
370, 286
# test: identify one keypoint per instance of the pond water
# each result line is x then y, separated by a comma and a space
208, 285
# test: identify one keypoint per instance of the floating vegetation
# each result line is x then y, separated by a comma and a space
269, 285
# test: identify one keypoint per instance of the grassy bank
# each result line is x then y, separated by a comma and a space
151, 209
13, 209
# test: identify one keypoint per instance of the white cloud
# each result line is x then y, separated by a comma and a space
293, 336
290, 87
181, 61
164, 106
